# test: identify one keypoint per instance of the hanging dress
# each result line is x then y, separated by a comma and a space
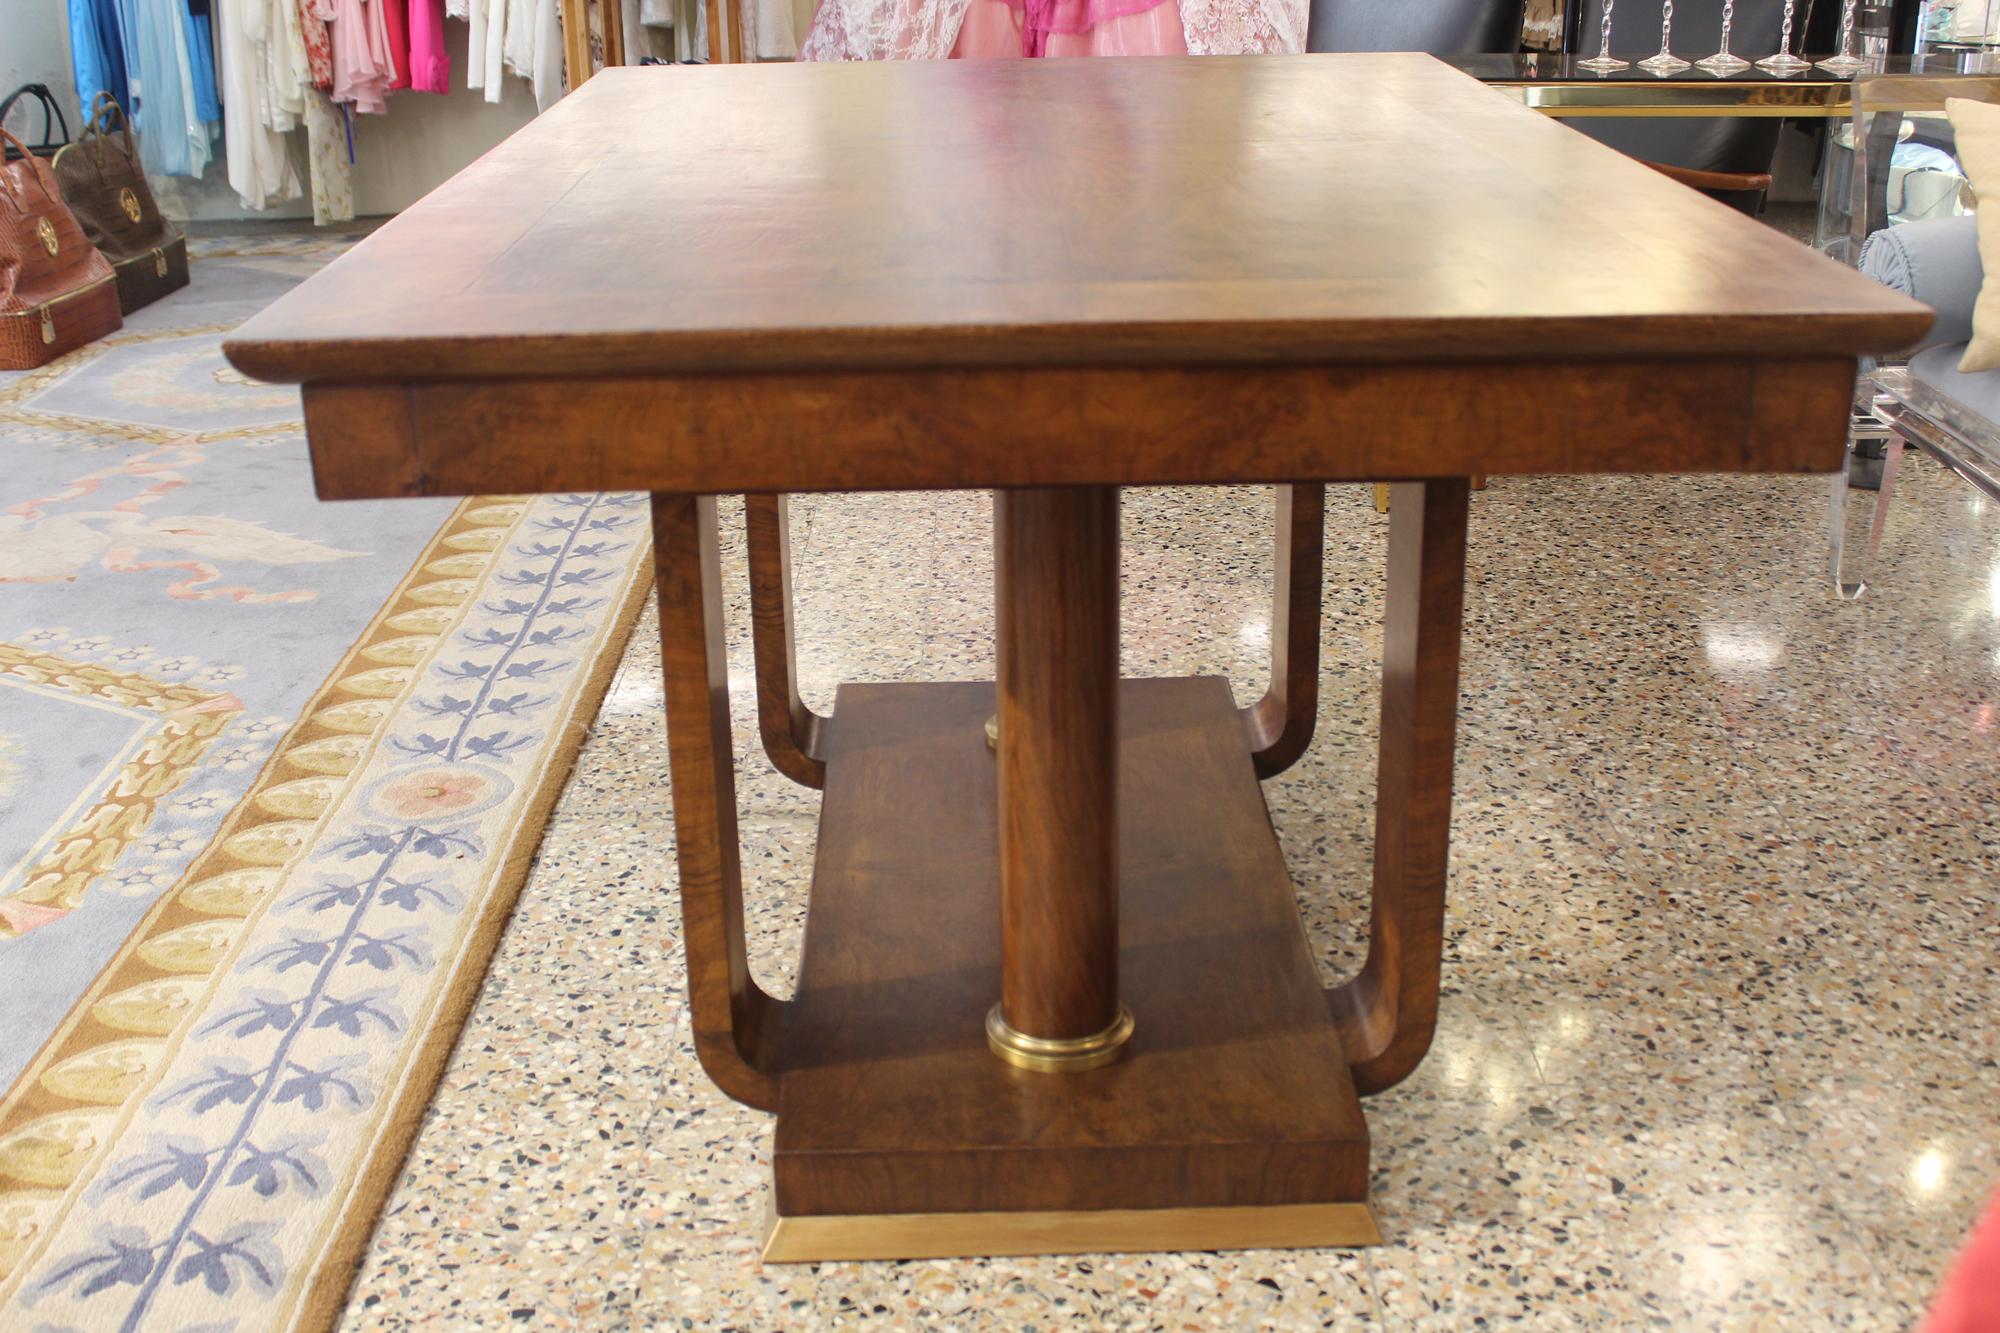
363, 69
430, 64
201, 60
97, 52
475, 40
548, 72
496, 49
519, 46
173, 141
396, 21
318, 43
260, 167
935, 29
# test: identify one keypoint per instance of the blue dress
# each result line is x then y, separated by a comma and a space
97, 52
173, 140
201, 58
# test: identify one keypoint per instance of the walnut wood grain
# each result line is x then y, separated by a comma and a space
1006, 428
1388, 1011
736, 1025
1234, 1090
793, 734
370, 440
900, 215
1055, 558
1280, 724
1028, 276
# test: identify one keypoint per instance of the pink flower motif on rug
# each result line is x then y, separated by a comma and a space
431, 792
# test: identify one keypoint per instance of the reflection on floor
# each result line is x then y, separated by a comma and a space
1718, 1047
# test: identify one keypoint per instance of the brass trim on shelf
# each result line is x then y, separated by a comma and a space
1292, 1226
1058, 1055
1809, 97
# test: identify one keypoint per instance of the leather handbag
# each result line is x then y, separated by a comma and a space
56, 291
103, 184
52, 120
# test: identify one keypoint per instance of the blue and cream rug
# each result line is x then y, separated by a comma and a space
271, 774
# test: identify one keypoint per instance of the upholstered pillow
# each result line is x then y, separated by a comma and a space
1976, 125
1935, 260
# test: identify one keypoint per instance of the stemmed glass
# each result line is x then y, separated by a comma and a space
1846, 63
1784, 62
1666, 62
1604, 62
1724, 62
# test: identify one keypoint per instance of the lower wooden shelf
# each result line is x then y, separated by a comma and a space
1231, 1122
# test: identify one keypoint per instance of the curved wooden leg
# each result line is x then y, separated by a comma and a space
1387, 1012
736, 1025
793, 734
1281, 723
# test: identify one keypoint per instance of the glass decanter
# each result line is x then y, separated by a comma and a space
1604, 62
1784, 62
1725, 62
1666, 62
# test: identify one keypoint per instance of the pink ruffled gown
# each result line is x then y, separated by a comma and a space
1071, 28
935, 29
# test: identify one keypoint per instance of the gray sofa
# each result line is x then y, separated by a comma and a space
1926, 401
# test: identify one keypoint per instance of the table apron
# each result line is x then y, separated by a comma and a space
976, 429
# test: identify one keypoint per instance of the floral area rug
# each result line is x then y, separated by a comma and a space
271, 774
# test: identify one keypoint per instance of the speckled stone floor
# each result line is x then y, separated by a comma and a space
1719, 1046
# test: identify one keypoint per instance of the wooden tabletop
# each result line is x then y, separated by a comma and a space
1189, 211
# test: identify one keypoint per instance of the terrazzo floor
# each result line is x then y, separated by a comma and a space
1718, 1048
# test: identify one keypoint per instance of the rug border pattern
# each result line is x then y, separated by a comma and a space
190, 718
380, 670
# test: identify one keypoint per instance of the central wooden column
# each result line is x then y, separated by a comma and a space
1056, 563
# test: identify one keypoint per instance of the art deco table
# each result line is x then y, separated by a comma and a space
1053, 279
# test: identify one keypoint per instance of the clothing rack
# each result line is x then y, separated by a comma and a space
725, 29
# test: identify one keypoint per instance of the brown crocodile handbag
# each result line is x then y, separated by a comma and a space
104, 186
56, 291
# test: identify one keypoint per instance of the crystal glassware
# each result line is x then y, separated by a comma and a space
1784, 62
1666, 62
1604, 62
1724, 62
1846, 63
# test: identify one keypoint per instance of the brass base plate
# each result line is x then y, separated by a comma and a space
798, 1240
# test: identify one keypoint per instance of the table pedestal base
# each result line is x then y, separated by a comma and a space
1232, 1120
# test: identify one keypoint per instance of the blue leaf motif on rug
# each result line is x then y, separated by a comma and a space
363, 708
353, 947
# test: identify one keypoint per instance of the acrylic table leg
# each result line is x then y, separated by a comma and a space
736, 1025
1281, 723
1387, 1012
1892, 463
1056, 564
794, 735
